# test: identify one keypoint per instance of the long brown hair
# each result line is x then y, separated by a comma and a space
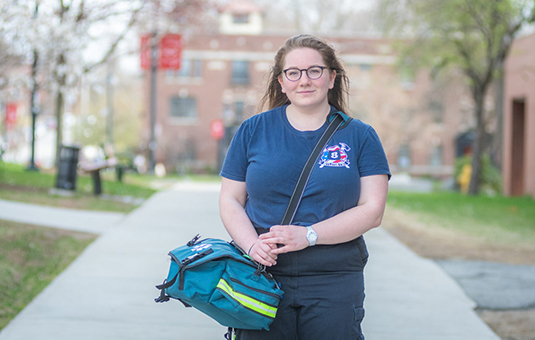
337, 96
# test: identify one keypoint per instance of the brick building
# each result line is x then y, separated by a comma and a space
222, 78
519, 119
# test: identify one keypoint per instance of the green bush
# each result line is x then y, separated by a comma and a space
491, 178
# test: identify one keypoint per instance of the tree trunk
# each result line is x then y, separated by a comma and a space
478, 147
61, 79
497, 141
59, 125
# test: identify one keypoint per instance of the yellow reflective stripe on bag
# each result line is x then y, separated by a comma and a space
247, 301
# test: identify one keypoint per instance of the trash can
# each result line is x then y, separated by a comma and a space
68, 163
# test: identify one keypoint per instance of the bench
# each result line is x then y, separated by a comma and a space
94, 168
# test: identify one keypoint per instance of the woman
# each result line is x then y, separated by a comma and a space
319, 259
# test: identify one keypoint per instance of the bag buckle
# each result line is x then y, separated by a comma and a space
194, 240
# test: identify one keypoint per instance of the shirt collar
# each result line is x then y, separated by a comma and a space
333, 113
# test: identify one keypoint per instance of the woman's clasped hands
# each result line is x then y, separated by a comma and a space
279, 240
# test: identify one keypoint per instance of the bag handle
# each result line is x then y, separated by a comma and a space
299, 189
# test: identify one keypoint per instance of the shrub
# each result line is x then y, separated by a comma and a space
491, 178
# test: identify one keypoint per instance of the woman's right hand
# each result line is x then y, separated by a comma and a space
261, 252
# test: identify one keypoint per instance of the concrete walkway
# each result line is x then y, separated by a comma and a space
108, 291
80, 220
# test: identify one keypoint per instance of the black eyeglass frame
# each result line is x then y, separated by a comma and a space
301, 72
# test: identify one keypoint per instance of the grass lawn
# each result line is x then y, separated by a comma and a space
17, 184
30, 258
452, 226
494, 219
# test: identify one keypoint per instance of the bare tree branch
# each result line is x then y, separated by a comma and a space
117, 40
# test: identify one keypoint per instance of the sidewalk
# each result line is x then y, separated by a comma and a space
108, 292
80, 220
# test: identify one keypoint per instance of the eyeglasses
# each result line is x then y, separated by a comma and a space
313, 73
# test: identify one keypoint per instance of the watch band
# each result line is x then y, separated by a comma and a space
312, 237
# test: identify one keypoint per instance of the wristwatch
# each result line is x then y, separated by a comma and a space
311, 236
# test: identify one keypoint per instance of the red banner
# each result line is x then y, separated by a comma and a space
169, 51
11, 114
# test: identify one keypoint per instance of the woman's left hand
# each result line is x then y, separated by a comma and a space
291, 237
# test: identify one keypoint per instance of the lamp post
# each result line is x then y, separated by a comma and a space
34, 98
153, 78
34, 112
110, 101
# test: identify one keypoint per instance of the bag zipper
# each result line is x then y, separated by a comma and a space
182, 266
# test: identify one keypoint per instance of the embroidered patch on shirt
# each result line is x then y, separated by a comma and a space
335, 156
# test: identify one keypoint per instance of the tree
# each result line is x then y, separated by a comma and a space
79, 17
10, 58
62, 40
473, 36
7, 62
57, 37
396, 114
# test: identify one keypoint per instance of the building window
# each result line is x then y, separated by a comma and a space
239, 109
234, 113
188, 68
240, 72
240, 18
183, 107
185, 68
436, 156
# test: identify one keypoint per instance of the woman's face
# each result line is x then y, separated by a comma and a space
306, 93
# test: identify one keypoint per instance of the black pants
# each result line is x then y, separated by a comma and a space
323, 294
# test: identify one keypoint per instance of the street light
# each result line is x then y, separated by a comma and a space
34, 98
153, 78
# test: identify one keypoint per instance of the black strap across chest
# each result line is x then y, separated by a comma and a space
297, 194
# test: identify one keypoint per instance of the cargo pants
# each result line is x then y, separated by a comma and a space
323, 294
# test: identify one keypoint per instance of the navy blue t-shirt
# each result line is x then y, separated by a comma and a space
268, 154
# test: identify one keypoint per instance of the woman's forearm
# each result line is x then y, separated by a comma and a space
356, 221
232, 201
237, 222
349, 224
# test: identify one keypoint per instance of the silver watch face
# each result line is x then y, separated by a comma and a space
311, 236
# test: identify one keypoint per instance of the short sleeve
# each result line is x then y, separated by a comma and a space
236, 160
372, 157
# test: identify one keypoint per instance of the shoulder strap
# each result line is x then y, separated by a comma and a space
297, 194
